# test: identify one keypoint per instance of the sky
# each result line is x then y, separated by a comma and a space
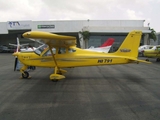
39, 10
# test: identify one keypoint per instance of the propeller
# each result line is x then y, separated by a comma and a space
18, 45
16, 52
37, 40
15, 63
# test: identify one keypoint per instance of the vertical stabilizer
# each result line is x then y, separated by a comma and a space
108, 42
130, 45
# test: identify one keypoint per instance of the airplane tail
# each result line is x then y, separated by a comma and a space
129, 47
108, 42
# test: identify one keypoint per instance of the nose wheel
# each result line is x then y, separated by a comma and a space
25, 75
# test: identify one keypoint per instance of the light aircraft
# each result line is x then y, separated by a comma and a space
144, 47
153, 53
105, 47
63, 53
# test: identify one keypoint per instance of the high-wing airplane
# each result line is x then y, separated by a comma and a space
105, 47
63, 53
153, 53
144, 47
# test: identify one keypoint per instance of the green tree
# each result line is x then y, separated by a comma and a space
152, 35
85, 35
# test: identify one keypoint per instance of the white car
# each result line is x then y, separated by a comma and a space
4, 49
144, 47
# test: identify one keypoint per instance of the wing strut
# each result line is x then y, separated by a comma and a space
50, 48
55, 75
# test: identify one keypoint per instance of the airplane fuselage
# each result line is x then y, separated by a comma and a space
62, 53
74, 59
152, 52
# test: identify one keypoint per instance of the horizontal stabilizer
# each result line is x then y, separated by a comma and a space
134, 59
137, 60
143, 61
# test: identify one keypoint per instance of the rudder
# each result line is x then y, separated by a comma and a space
108, 42
130, 45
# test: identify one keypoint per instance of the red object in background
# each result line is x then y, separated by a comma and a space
108, 42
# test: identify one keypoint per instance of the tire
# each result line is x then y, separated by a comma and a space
25, 75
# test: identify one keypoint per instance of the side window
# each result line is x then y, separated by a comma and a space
71, 50
62, 50
48, 53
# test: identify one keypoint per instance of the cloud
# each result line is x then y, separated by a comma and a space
81, 10
133, 16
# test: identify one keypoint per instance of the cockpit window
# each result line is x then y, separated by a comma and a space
62, 50
48, 53
71, 50
40, 49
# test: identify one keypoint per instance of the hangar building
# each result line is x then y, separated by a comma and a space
98, 30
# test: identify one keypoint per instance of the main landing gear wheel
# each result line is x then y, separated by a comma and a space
25, 75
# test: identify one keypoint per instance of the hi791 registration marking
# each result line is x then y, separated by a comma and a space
104, 61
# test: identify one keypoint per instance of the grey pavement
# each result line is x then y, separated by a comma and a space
117, 92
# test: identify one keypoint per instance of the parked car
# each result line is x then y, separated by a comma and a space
4, 49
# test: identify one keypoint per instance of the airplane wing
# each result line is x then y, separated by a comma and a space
52, 40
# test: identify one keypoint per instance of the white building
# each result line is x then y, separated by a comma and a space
99, 30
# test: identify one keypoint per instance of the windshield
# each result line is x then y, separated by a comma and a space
40, 49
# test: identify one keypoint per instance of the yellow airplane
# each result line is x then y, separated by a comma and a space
63, 53
154, 52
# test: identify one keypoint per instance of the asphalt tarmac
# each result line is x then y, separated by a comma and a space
117, 92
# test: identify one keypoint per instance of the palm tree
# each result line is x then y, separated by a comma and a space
152, 35
85, 35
